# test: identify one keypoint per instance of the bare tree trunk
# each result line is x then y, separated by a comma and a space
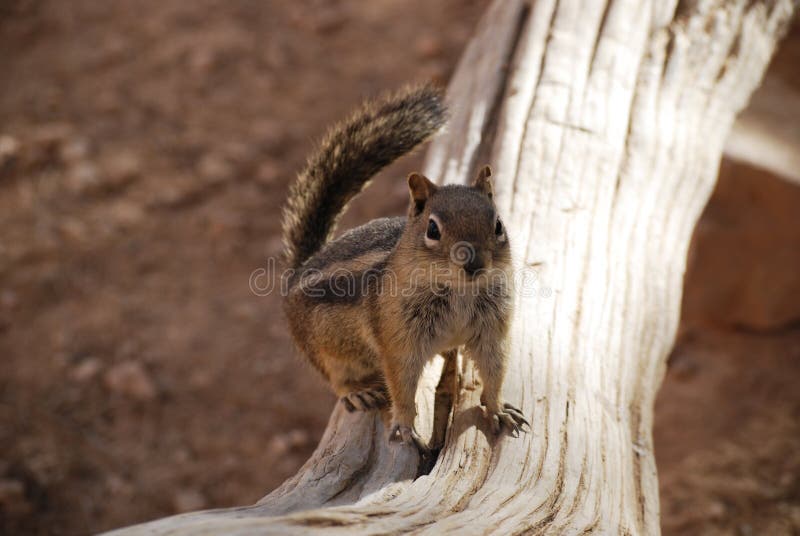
766, 134
605, 122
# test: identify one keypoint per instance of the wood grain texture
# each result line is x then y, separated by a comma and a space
605, 123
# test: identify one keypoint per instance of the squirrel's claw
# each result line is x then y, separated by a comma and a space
511, 419
406, 434
518, 417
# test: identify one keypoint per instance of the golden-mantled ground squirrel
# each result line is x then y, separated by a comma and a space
372, 307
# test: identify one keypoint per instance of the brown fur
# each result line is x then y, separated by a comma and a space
371, 308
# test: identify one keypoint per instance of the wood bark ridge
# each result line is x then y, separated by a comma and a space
605, 123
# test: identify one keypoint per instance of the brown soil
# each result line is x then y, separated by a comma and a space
145, 150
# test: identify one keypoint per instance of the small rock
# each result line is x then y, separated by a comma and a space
428, 46
268, 172
181, 191
202, 60
126, 213
82, 178
123, 167
74, 229
118, 486
215, 168
86, 370
201, 378
131, 379
239, 152
45, 144
298, 437
716, 510
278, 446
114, 173
284, 443
9, 151
187, 500
52, 134
74, 150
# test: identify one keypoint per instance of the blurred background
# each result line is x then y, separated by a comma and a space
145, 151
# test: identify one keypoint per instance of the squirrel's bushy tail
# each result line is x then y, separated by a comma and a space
349, 155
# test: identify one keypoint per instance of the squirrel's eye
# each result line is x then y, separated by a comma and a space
498, 228
433, 232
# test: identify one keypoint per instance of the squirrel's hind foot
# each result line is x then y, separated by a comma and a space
365, 400
511, 419
406, 434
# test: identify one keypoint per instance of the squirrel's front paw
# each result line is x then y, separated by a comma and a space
407, 434
510, 418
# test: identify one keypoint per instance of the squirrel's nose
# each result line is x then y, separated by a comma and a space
474, 265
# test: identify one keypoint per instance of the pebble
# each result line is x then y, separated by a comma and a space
82, 178
9, 150
52, 134
126, 214
74, 229
215, 168
129, 378
187, 500
86, 370
74, 150
268, 172
118, 486
201, 378
716, 510
202, 60
284, 443
238, 152
123, 167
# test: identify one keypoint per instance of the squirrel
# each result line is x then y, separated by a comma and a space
372, 307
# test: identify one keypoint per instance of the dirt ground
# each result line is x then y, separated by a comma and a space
145, 150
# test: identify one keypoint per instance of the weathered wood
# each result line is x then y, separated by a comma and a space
605, 122
767, 133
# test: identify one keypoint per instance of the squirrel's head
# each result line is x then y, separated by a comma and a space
457, 228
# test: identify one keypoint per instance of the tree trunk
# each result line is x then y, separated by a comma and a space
766, 134
605, 123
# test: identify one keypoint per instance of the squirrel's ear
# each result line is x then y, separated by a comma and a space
421, 189
483, 181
